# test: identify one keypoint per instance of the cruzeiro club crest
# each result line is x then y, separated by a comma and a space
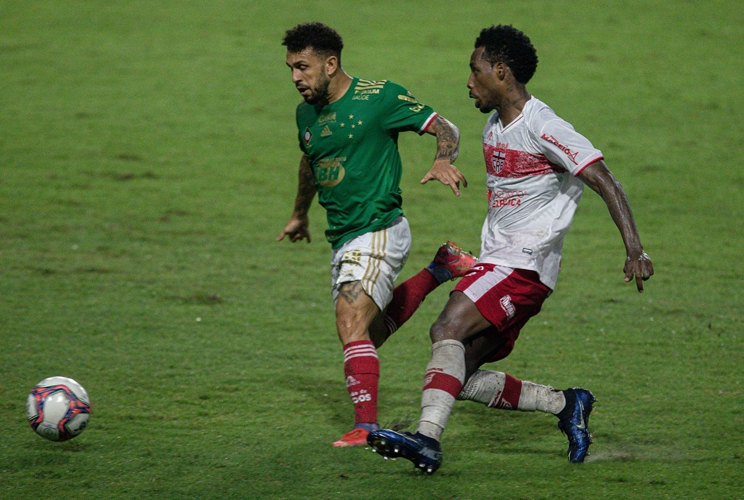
498, 158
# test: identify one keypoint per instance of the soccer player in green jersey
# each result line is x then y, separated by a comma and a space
348, 131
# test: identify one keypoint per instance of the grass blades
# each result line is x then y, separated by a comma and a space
148, 159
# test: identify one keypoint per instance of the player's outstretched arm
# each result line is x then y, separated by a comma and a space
298, 227
638, 264
448, 147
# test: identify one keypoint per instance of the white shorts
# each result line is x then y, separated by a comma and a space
375, 259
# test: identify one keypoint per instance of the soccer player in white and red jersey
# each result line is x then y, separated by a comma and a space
537, 166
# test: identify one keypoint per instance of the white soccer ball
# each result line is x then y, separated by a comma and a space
58, 408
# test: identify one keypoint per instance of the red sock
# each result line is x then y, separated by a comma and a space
508, 399
362, 371
407, 297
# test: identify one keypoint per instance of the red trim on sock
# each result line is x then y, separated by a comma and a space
509, 397
435, 379
407, 297
362, 372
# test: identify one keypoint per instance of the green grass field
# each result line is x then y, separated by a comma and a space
148, 159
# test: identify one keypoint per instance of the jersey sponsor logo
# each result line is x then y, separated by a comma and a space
505, 198
408, 98
360, 98
416, 108
327, 118
326, 132
504, 162
552, 140
307, 136
369, 87
507, 306
370, 83
330, 171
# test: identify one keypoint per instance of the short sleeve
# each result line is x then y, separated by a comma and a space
404, 112
562, 145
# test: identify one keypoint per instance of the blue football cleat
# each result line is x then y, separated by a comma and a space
424, 452
576, 428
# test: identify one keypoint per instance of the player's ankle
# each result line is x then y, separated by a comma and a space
429, 441
567, 410
367, 426
440, 273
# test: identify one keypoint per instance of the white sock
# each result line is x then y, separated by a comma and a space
536, 397
487, 386
445, 375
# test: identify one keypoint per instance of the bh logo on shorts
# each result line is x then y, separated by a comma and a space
507, 306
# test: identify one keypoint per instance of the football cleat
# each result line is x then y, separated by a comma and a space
355, 437
424, 452
450, 262
576, 428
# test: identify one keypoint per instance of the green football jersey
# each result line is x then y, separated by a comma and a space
353, 148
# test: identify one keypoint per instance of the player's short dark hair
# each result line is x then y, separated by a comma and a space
324, 40
510, 46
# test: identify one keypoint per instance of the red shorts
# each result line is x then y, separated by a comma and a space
506, 297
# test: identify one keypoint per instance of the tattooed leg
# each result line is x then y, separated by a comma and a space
355, 311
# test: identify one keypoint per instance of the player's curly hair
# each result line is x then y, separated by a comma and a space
324, 40
510, 46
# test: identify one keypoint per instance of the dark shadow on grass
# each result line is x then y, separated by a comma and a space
209, 299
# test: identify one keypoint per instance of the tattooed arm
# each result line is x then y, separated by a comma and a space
637, 264
448, 147
298, 226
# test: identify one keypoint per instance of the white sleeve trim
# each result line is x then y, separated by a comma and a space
428, 121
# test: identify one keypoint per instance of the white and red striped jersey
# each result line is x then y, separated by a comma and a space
533, 192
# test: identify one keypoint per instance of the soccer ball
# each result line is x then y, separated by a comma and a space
58, 408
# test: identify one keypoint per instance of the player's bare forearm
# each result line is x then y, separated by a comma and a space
598, 177
298, 226
638, 264
448, 147
448, 139
305, 188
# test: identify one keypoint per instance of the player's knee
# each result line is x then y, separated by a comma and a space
352, 325
444, 328
349, 329
459, 320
